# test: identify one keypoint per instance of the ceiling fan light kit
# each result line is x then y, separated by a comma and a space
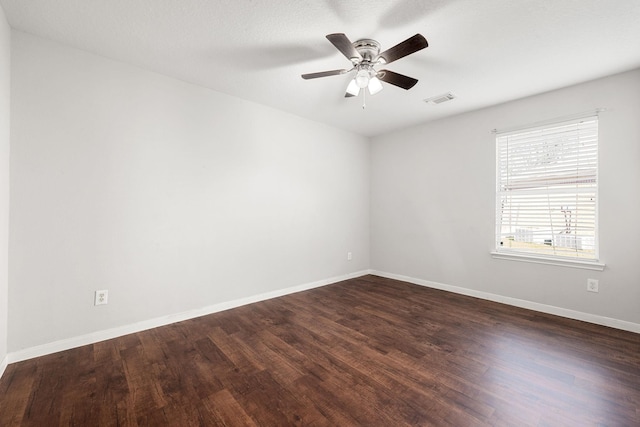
365, 55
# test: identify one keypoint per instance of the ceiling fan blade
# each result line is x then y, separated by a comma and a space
407, 47
400, 80
344, 45
324, 74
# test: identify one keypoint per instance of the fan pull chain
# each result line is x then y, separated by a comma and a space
364, 96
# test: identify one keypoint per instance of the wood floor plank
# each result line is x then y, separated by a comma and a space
227, 410
17, 388
368, 351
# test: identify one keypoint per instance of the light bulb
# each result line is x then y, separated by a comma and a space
362, 78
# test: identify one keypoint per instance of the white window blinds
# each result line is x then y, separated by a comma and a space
547, 190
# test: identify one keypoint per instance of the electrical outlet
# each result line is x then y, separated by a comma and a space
101, 297
349, 256
592, 285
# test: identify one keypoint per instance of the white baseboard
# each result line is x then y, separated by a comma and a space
94, 337
3, 364
549, 309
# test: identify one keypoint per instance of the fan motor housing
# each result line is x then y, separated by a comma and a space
367, 48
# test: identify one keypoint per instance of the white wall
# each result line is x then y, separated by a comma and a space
5, 68
433, 202
171, 196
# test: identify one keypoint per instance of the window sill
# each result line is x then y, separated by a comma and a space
537, 259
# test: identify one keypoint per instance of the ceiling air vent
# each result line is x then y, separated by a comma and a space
440, 98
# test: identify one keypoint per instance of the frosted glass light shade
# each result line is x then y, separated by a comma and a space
353, 88
362, 78
374, 86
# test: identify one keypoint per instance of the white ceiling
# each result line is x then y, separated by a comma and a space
485, 52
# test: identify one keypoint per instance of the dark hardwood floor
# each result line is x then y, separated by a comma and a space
368, 351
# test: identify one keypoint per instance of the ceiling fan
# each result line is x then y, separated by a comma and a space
365, 55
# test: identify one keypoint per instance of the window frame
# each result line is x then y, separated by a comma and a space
530, 256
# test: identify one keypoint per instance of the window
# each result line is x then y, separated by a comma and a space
546, 202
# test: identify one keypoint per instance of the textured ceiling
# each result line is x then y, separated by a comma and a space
485, 52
